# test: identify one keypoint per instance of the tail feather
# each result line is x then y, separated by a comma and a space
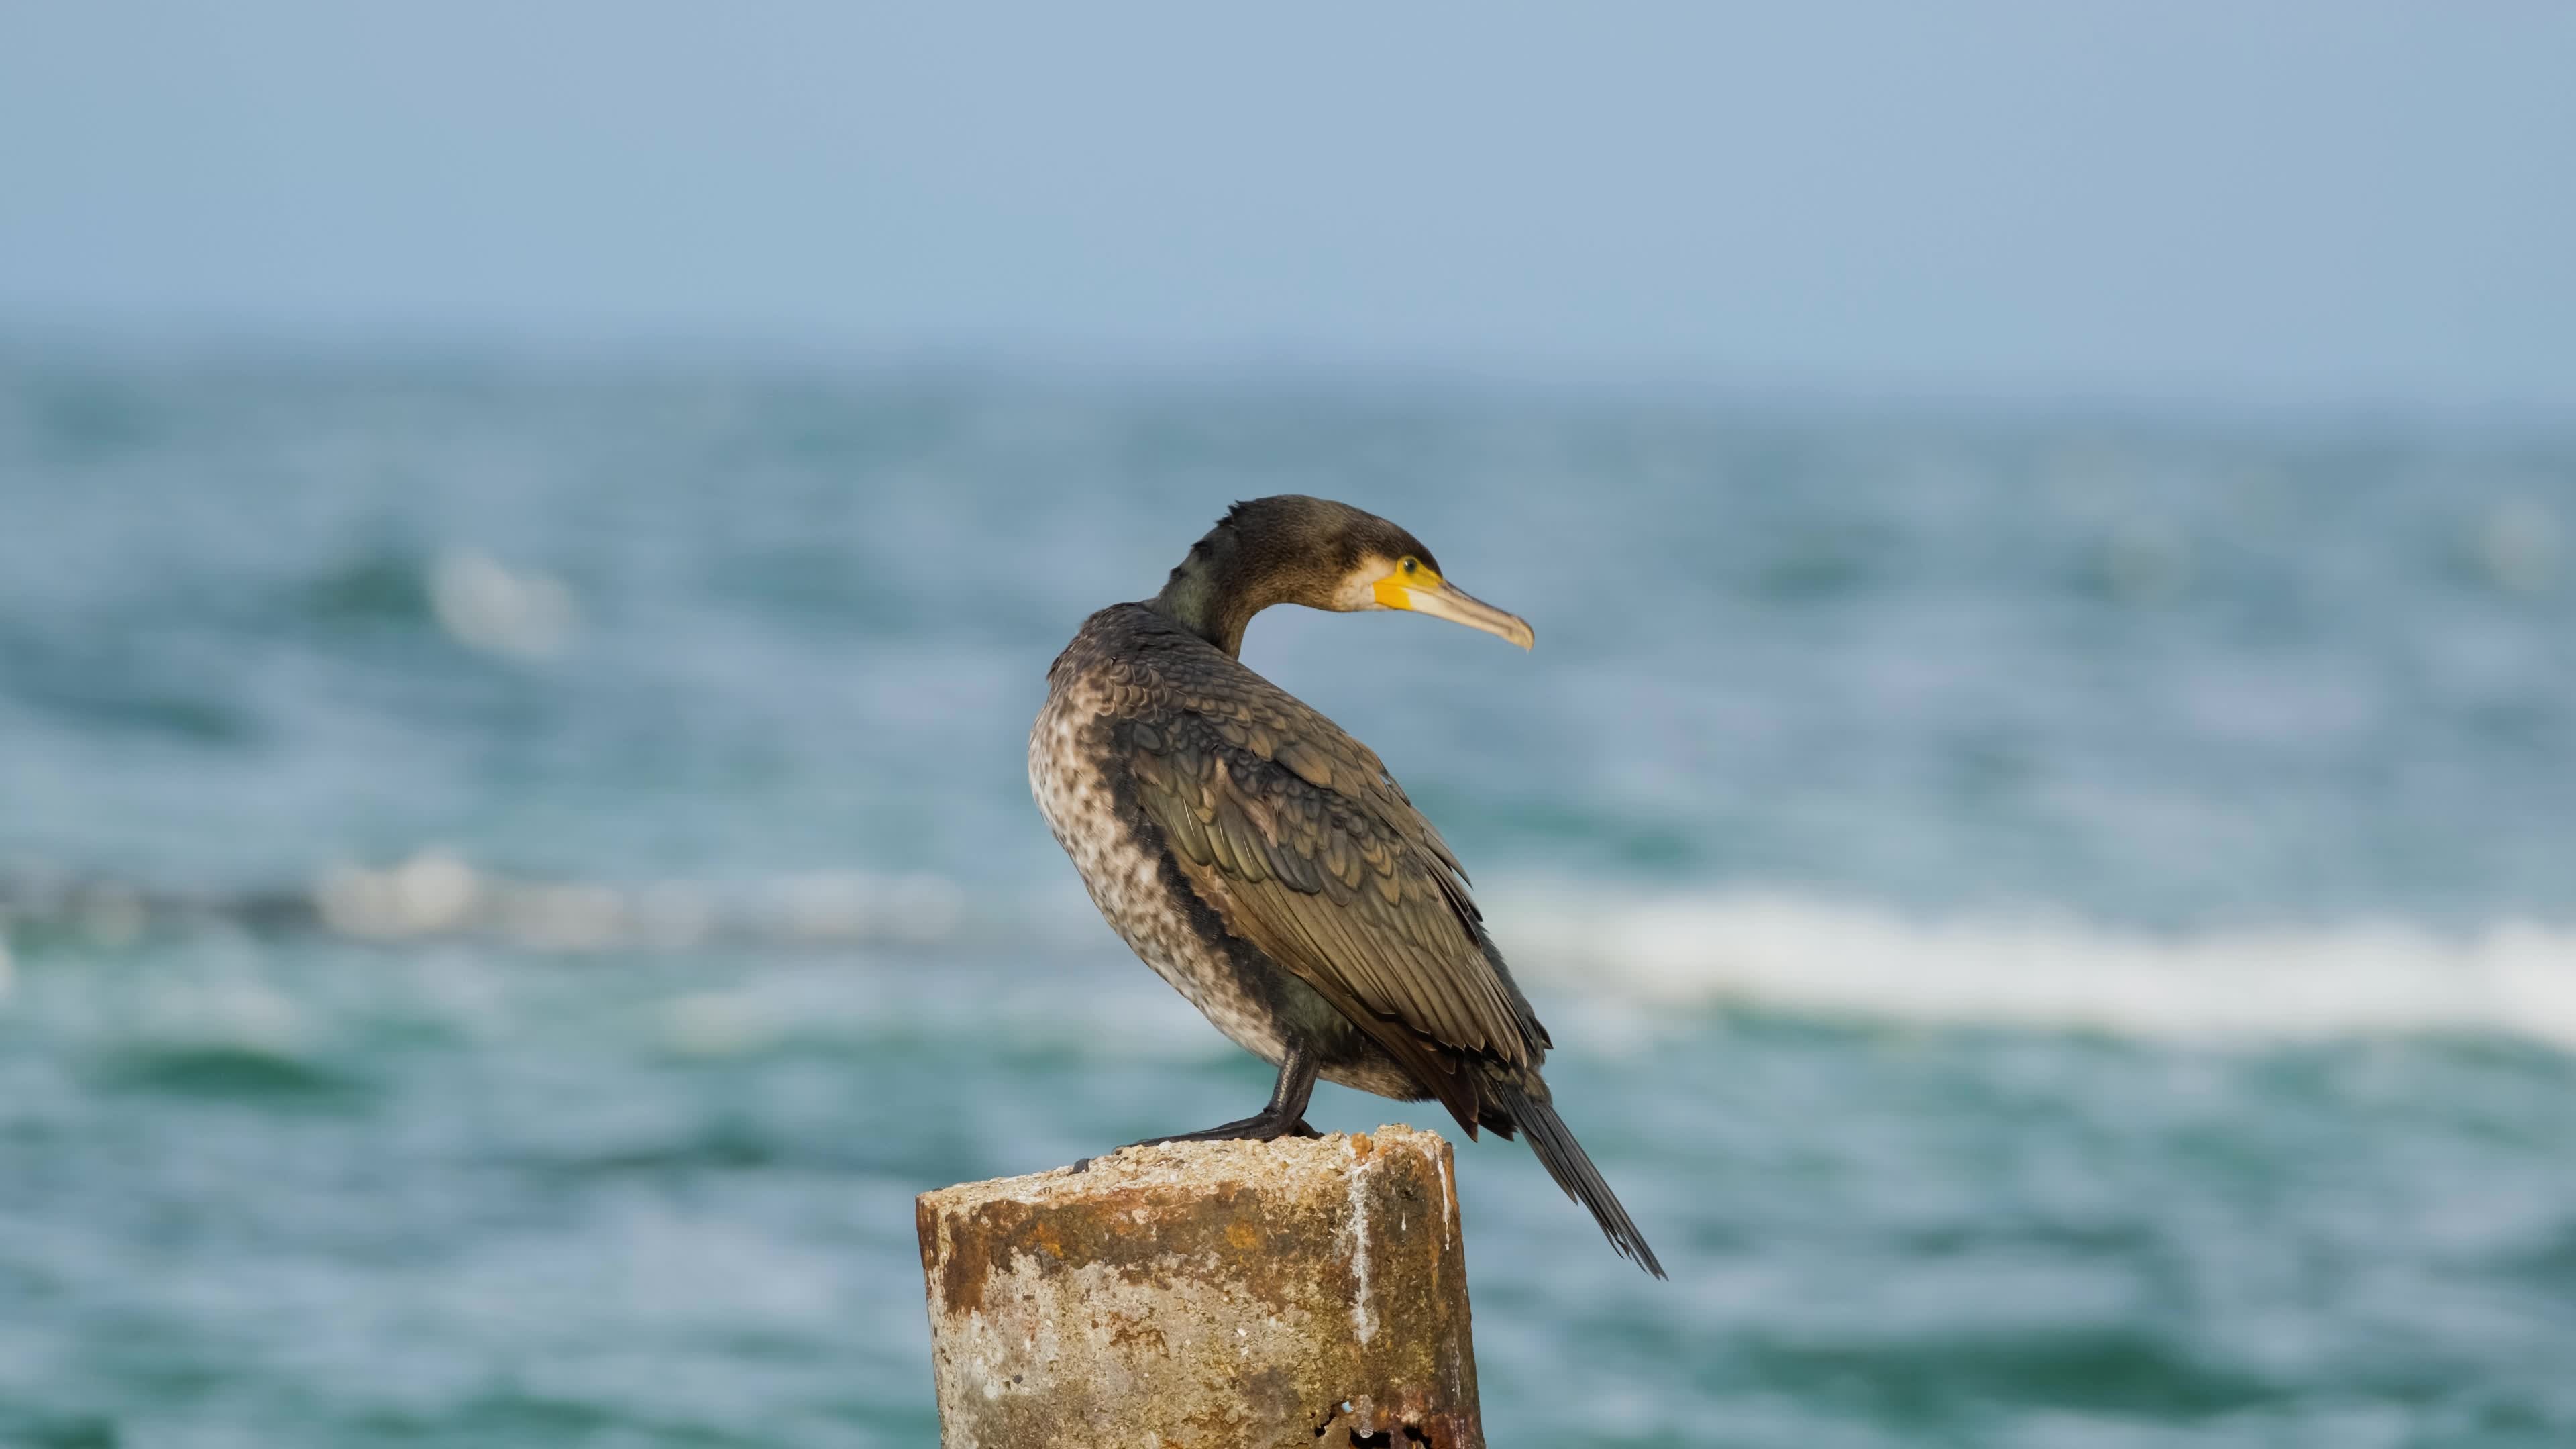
1527, 1103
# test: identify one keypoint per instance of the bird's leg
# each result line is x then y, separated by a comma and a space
1284, 1117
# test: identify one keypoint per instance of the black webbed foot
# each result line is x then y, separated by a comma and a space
1285, 1116
1250, 1129
1259, 1127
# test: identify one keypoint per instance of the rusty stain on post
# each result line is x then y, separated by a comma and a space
1207, 1295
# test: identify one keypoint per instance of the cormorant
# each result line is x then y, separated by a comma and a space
1265, 863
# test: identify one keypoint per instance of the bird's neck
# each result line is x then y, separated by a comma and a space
1216, 590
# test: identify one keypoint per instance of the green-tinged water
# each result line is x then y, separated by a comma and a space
2063, 935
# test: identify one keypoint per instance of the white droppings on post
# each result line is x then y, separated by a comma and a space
1448, 1198
1363, 1321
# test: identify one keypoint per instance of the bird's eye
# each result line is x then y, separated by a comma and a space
1412, 564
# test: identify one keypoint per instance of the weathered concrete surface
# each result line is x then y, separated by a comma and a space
1207, 1295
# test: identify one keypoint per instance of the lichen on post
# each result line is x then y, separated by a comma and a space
1231, 1295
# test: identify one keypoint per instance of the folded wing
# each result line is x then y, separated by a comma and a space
1305, 846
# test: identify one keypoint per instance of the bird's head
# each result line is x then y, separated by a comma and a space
1291, 549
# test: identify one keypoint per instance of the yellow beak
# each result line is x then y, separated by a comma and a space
1424, 592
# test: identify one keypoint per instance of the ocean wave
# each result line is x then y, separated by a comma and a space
436, 894
1612, 947
2041, 971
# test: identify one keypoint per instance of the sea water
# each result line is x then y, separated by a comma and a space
2062, 930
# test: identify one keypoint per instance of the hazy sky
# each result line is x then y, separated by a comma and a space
2276, 204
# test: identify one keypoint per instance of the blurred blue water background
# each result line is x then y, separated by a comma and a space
2063, 930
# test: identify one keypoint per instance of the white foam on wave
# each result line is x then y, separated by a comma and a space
487, 606
2515, 978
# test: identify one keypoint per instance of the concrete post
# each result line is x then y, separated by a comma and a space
1207, 1295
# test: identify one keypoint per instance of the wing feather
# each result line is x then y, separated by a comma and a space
1311, 851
